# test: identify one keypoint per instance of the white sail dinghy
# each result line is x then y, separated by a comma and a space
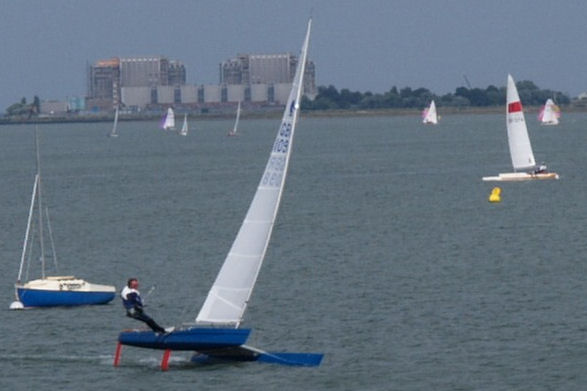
429, 115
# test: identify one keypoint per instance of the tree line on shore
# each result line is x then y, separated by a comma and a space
24, 109
329, 98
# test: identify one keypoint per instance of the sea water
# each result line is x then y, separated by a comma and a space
386, 254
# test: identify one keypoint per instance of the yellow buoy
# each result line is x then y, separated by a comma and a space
495, 195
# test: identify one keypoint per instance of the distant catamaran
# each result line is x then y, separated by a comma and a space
523, 161
549, 114
429, 114
168, 122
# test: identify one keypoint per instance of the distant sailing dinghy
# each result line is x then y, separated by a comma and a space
217, 335
549, 114
113, 132
429, 114
238, 114
520, 149
184, 127
55, 290
168, 122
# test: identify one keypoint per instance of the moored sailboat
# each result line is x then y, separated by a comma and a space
50, 291
217, 333
523, 161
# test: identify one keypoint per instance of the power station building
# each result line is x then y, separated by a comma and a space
107, 79
146, 82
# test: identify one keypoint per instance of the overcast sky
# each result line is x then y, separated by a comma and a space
362, 45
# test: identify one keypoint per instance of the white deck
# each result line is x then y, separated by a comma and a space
66, 283
520, 176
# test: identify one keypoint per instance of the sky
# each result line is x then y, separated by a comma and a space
362, 45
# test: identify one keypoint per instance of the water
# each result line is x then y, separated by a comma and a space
386, 255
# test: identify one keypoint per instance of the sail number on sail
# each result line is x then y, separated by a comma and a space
274, 171
282, 141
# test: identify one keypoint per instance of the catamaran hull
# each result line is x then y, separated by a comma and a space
248, 353
196, 338
520, 176
212, 345
50, 298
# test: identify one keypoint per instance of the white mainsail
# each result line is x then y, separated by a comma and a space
114, 125
519, 142
169, 122
238, 114
227, 299
430, 116
549, 114
184, 127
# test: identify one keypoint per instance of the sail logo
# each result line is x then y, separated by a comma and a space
515, 107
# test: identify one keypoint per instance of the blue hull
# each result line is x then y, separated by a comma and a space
244, 354
197, 338
47, 298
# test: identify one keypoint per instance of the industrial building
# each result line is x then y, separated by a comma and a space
107, 79
250, 69
154, 82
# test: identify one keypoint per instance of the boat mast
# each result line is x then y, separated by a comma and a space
40, 204
28, 230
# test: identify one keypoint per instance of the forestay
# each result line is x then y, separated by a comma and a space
227, 299
519, 142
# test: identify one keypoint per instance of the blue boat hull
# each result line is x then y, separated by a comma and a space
49, 298
195, 338
247, 353
212, 345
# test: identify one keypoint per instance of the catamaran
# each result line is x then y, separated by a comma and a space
168, 122
50, 291
114, 125
525, 167
184, 127
216, 333
238, 114
549, 113
429, 114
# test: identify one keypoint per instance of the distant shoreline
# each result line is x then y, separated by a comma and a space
277, 114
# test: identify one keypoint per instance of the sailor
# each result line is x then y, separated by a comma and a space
132, 302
